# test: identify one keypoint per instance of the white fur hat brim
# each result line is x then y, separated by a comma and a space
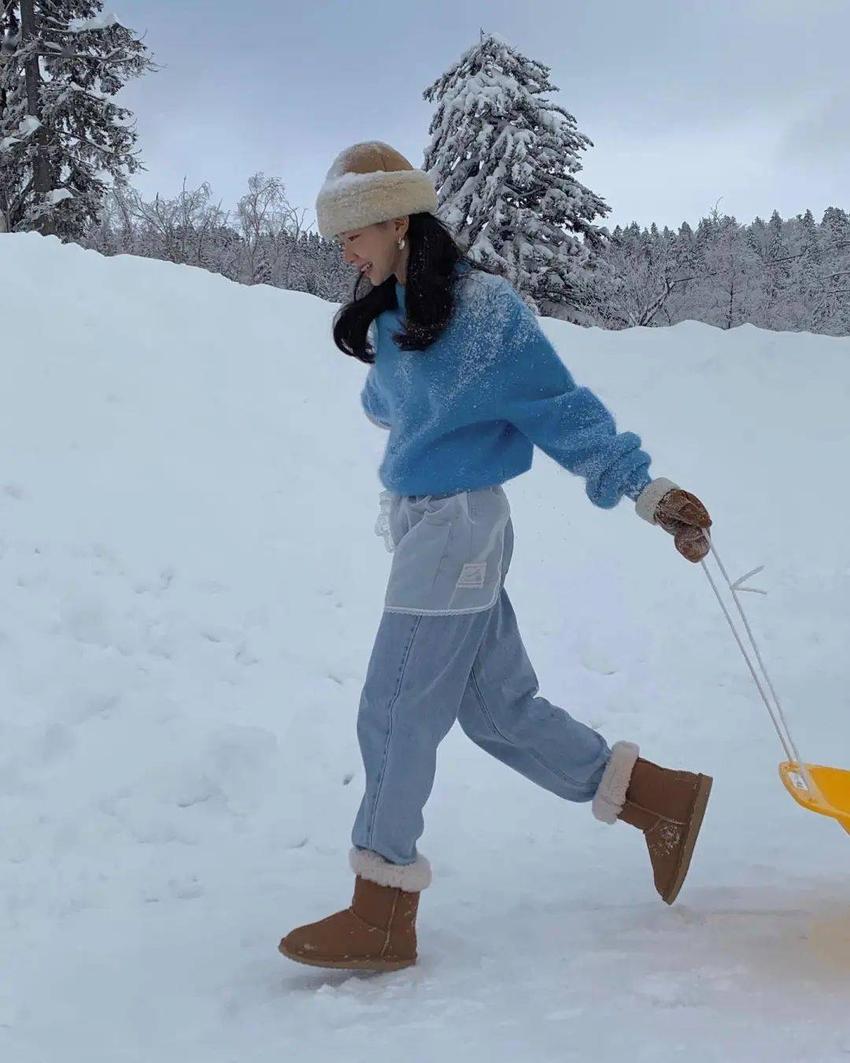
413, 877
353, 200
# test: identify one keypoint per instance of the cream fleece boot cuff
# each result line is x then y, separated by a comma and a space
611, 794
650, 496
413, 877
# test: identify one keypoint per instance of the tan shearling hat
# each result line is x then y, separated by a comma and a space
371, 182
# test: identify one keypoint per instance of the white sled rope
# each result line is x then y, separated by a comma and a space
814, 786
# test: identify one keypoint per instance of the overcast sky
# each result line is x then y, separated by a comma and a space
743, 103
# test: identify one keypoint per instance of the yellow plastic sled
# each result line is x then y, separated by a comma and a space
829, 795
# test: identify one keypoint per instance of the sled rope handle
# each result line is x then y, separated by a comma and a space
777, 715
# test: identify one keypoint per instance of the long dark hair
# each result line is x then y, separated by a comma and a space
428, 292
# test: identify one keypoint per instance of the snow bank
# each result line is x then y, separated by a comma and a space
190, 584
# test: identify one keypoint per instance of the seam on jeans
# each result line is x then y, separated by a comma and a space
441, 563
485, 711
382, 770
415, 611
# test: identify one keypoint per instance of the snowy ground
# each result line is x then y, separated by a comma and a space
189, 587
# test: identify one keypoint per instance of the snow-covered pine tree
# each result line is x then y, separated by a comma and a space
833, 307
807, 275
772, 242
61, 135
503, 159
730, 287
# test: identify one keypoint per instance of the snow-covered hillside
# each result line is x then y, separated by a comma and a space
189, 587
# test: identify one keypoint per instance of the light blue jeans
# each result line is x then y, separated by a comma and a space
425, 672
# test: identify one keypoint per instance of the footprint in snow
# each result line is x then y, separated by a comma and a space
596, 659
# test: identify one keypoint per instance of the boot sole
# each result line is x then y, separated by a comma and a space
696, 818
349, 965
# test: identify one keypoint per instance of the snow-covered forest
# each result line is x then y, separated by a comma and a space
786, 275
514, 200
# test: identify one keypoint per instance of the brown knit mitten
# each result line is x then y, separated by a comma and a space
685, 517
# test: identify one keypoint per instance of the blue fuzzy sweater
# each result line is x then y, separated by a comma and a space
467, 411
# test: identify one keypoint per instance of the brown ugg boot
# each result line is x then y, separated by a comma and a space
377, 932
668, 806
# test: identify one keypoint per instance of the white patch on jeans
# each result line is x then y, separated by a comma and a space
447, 550
472, 574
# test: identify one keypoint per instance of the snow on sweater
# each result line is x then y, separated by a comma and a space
467, 411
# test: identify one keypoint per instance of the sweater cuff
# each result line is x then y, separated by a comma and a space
634, 488
650, 496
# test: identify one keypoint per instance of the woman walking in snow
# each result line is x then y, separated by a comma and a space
467, 383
